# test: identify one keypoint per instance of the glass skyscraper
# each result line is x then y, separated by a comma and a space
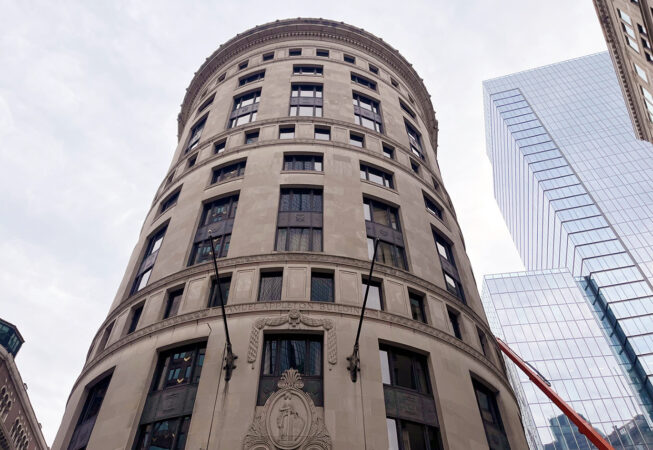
575, 188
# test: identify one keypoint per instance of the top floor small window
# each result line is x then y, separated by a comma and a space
195, 134
295, 52
322, 53
394, 82
359, 79
206, 104
307, 70
268, 56
406, 109
374, 69
243, 65
252, 77
170, 201
432, 207
349, 59
415, 141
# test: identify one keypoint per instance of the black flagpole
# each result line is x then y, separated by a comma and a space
354, 360
230, 358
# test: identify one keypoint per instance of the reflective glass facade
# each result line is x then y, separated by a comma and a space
576, 190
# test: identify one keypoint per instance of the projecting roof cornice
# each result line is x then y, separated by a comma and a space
319, 29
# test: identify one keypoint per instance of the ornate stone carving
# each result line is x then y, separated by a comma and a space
288, 421
294, 318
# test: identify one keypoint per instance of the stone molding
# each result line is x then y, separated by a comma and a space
336, 309
294, 318
318, 29
288, 421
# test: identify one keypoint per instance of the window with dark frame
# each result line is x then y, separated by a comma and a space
367, 112
270, 286
322, 133
449, 269
394, 82
374, 69
282, 352
135, 316
406, 373
214, 296
361, 80
415, 141
173, 303
191, 161
228, 171
169, 201
170, 178
436, 185
357, 140
388, 152
147, 263
206, 104
382, 221
251, 137
490, 415
454, 320
219, 147
245, 108
217, 217
432, 207
306, 100
482, 339
322, 53
322, 289
251, 78
417, 307
86, 421
243, 65
376, 176
374, 295
307, 70
414, 166
349, 59
299, 223
195, 135
406, 109
287, 132
268, 56
222, 77
178, 369
302, 162
295, 52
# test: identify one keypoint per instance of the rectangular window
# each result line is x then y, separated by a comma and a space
270, 286
359, 79
307, 70
349, 59
172, 303
414, 167
299, 223
641, 73
632, 43
415, 141
432, 207
306, 100
245, 108
454, 320
291, 351
322, 134
147, 263
482, 339
90, 411
219, 147
489, 409
406, 435
367, 112
251, 78
374, 296
322, 287
222, 77
387, 253
302, 162
374, 69
251, 137
388, 152
322, 53
382, 221
287, 132
179, 366
169, 201
206, 104
195, 134
417, 307
357, 140
105, 338
192, 160
449, 269
217, 218
268, 56
227, 172
629, 31
295, 52
406, 109
376, 176
214, 295
169, 434
625, 17
243, 65
136, 313
394, 82
406, 369
382, 214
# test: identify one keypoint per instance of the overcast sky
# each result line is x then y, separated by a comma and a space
89, 97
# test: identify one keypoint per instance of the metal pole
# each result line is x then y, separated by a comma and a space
354, 360
230, 358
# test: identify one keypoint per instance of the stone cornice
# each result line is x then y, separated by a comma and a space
26, 404
352, 312
319, 29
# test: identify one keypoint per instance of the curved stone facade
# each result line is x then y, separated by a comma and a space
308, 203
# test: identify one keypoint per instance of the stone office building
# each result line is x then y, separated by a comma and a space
300, 142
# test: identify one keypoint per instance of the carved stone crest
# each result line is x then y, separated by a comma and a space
294, 318
289, 420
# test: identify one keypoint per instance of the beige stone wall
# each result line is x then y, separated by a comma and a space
354, 413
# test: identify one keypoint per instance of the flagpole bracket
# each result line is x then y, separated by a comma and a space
229, 363
354, 365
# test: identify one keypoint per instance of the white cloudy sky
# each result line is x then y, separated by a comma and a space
89, 95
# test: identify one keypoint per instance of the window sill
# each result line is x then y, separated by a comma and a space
314, 172
220, 183
371, 183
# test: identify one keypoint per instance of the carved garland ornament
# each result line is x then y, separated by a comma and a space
294, 318
289, 420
